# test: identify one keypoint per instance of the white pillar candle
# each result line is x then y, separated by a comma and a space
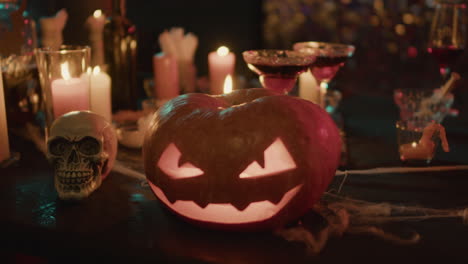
308, 88
221, 64
166, 77
4, 145
101, 93
95, 24
69, 94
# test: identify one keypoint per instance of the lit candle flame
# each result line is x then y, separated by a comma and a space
96, 70
97, 13
228, 84
223, 51
414, 144
65, 71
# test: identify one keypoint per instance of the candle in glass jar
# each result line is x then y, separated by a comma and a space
69, 94
221, 64
101, 93
4, 145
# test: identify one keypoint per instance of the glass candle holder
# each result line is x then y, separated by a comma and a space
65, 80
424, 105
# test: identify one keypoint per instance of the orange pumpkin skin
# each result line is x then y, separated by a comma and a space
200, 150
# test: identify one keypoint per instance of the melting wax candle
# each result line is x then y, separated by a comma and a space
221, 64
95, 24
166, 76
101, 93
69, 94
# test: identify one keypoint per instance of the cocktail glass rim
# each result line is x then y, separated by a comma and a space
319, 48
257, 57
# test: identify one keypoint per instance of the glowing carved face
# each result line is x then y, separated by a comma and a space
277, 160
248, 160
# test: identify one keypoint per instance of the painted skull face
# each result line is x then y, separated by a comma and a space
82, 147
259, 163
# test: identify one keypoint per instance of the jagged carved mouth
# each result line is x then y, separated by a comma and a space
226, 213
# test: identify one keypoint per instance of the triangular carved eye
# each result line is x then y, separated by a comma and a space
169, 164
277, 160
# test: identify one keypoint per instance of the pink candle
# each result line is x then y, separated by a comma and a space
221, 64
70, 94
166, 77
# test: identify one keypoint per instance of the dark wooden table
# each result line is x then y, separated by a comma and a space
123, 221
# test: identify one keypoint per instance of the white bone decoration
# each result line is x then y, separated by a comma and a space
82, 147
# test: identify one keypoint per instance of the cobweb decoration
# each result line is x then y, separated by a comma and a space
346, 215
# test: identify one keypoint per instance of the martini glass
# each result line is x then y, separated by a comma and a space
447, 37
278, 69
330, 57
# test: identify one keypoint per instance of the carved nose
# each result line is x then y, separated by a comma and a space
73, 158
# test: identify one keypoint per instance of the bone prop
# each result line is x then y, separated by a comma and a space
450, 84
438, 95
52, 28
182, 47
82, 147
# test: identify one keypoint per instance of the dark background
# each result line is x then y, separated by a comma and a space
385, 59
235, 24
129, 222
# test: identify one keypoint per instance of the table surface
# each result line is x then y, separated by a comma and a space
123, 221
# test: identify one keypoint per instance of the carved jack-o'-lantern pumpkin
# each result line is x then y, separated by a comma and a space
247, 160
